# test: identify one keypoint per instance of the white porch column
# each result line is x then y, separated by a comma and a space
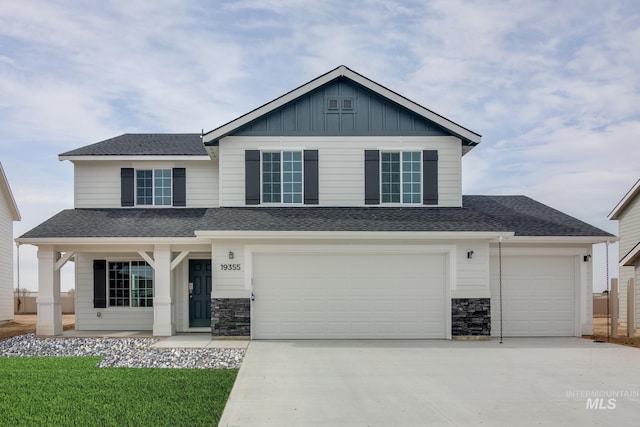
162, 306
49, 304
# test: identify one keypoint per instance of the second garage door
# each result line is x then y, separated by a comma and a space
537, 295
348, 295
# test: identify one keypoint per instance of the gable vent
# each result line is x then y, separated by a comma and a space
332, 104
341, 103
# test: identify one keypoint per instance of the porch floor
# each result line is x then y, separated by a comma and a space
183, 340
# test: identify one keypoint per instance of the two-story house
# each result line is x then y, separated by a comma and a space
333, 211
627, 213
8, 214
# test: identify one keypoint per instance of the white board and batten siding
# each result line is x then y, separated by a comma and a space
97, 183
340, 164
6, 260
542, 292
472, 274
111, 318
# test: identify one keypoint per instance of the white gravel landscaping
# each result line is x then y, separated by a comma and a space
123, 352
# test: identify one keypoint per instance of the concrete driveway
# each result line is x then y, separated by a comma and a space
527, 381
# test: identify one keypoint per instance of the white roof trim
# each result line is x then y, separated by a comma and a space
116, 157
628, 198
341, 71
630, 259
297, 235
6, 190
104, 240
562, 239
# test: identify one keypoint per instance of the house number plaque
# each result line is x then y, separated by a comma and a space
230, 267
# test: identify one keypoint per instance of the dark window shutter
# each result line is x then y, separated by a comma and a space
310, 177
179, 187
252, 177
127, 187
99, 283
371, 177
430, 177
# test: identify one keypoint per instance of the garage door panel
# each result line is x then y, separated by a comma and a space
538, 296
372, 295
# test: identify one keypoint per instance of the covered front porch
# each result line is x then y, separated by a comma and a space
127, 285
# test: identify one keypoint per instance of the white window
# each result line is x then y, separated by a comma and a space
401, 177
153, 187
282, 177
130, 284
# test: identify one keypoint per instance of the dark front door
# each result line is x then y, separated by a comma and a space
199, 292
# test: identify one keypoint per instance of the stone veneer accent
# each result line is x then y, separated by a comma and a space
470, 317
231, 317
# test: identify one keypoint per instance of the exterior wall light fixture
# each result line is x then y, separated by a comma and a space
231, 255
469, 254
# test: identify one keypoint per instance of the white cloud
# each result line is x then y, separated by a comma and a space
552, 87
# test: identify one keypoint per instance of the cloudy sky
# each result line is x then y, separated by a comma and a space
553, 86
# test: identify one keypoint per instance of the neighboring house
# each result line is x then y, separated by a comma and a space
333, 211
8, 213
627, 213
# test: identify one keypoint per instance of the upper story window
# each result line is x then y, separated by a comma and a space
282, 177
288, 177
153, 187
401, 177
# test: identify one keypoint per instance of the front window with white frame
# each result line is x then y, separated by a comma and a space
153, 187
282, 177
130, 284
401, 177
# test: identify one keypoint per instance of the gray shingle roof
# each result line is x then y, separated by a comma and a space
519, 214
140, 144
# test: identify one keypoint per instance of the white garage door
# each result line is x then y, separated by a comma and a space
538, 296
347, 295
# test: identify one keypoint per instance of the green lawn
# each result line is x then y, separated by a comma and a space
67, 391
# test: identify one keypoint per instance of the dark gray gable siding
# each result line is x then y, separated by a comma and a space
370, 115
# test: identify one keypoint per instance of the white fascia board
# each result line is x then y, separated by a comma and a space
622, 205
270, 106
133, 158
342, 71
630, 259
561, 239
8, 194
87, 241
416, 108
324, 235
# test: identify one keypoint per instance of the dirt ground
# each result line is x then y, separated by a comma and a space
26, 324
600, 327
